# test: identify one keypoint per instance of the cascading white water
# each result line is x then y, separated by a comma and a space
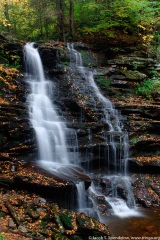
81, 195
42, 113
120, 208
57, 145
118, 157
116, 140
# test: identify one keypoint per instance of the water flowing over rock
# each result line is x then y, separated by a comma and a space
83, 115
57, 144
47, 124
117, 147
75, 105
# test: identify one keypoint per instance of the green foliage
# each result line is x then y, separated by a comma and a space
145, 89
131, 17
3, 58
2, 237
66, 219
43, 223
103, 82
66, 63
75, 237
2, 84
15, 59
1, 92
149, 87
93, 19
134, 140
10, 60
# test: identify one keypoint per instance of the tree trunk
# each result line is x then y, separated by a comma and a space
60, 10
46, 21
71, 20
6, 13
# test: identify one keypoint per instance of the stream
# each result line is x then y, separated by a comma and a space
146, 225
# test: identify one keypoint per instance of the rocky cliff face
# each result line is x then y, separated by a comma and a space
19, 176
117, 75
16, 134
140, 117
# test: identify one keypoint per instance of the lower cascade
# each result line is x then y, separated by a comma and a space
58, 146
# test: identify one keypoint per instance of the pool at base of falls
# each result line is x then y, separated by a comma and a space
146, 225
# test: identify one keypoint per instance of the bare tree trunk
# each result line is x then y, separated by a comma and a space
71, 20
46, 22
60, 10
6, 12
40, 20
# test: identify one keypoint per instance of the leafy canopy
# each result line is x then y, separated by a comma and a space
93, 19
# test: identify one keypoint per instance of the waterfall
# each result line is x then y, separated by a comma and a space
57, 145
117, 145
81, 195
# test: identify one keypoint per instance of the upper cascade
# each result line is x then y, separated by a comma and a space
49, 127
115, 136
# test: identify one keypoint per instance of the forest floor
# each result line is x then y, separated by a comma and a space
25, 214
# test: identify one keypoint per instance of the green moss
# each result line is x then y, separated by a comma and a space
134, 140
148, 87
2, 215
133, 75
10, 60
66, 219
46, 218
59, 236
103, 82
2, 84
81, 221
2, 93
65, 63
43, 223
75, 237
2, 237
88, 58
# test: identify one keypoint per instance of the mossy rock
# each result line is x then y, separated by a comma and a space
75, 237
87, 222
88, 59
2, 214
102, 81
66, 219
88, 226
6, 181
2, 237
47, 218
59, 236
134, 75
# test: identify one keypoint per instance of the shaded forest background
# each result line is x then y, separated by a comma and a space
93, 21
